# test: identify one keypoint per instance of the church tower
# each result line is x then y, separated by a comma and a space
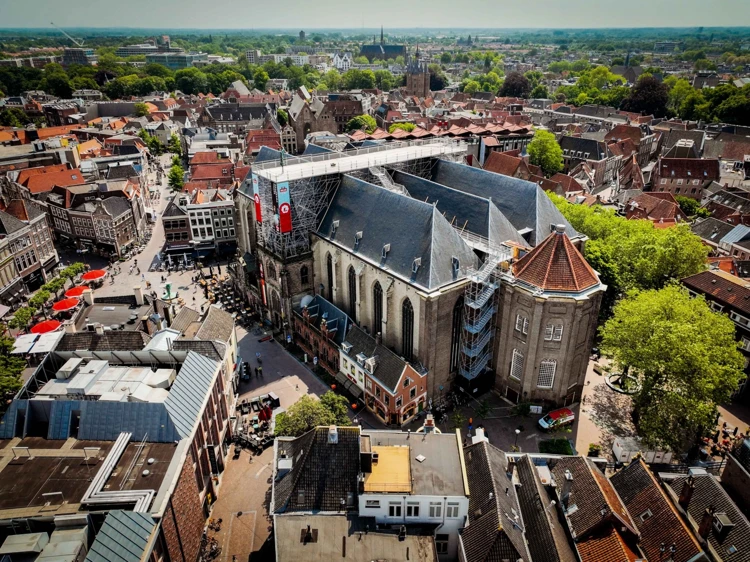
417, 77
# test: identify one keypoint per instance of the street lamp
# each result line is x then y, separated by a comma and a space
518, 432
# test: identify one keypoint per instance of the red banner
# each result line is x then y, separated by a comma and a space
256, 198
285, 207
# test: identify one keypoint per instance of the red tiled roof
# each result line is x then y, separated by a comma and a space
49, 132
606, 546
622, 132
733, 294
568, 183
556, 265
211, 171
209, 157
502, 163
692, 168
42, 183
28, 172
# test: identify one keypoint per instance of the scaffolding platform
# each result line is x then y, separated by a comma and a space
301, 168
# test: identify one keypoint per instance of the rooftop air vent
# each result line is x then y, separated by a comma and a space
334, 227
415, 266
386, 249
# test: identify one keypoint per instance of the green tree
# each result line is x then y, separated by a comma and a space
308, 413
13, 117
361, 60
176, 178
678, 92
688, 205
446, 58
21, 318
282, 117
648, 96
545, 152
684, 357
175, 146
260, 79
366, 123
11, 367
73, 270
37, 301
539, 92
84, 83
141, 109
408, 127
472, 87
191, 81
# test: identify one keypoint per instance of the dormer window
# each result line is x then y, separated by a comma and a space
386, 249
334, 227
357, 238
415, 265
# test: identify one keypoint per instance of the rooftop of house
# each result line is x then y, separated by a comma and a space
495, 530
556, 265
653, 513
320, 311
731, 541
41, 183
65, 470
689, 168
389, 367
217, 325
432, 463
330, 536
711, 230
109, 312
719, 288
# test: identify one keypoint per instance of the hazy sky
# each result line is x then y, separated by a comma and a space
310, 14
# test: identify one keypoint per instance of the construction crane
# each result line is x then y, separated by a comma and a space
78, 42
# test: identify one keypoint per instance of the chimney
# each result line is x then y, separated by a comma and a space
687, 492
138, 290
70, 328
559, 228
429, 424
378, 338
88, 297
333, 435
705, 527
479, 436
567, 485
510, 469
99, 329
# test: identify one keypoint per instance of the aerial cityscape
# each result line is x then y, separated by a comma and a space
375, 282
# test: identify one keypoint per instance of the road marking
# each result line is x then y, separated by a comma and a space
262, 468
532, 436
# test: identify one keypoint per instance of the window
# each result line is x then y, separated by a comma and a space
516, 366
407, 330
398, 402
663, 181
387, 400
522, 324
368, 384
412, 509
372, 504
271, 270
394, 509
557, 336
377, 391
329, 274
458, 309
436, 510
547, 370
679, 182
352, 294
441, 543
451, 510
413, 392
407, 382
645, 515
304, 275
377, 308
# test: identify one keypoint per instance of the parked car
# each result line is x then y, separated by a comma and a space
557, 418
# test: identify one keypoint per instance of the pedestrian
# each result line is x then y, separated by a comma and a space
256, 373
260, 370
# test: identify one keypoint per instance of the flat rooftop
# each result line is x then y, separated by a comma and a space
60, 468
435, 460
110, 314
392, 472
349, 161
336, 537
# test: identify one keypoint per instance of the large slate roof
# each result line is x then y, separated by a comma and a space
126, 340
524, 203
479, 215
337, 322
217, 326
322, 473
414, 230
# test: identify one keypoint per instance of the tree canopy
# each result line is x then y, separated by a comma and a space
141, 109
684, 357
365, 123
633, 254
11, 367
176, 178
308, 413
648, 96
516, 85
545, 152
408, 127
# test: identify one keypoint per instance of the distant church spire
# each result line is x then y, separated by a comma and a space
382, 40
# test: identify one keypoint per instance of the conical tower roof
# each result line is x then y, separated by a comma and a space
556, 265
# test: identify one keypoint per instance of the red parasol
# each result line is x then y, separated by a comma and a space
76, 291
94, 275
46, 326
65, 304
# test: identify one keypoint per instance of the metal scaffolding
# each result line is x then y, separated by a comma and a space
480, 306
309, 199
